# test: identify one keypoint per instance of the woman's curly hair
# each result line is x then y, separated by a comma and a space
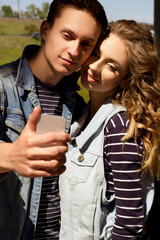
140, 91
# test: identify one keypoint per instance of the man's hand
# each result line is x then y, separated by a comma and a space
29, 156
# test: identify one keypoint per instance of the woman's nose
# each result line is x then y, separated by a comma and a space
95, 66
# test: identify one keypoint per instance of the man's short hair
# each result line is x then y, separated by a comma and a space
93, 7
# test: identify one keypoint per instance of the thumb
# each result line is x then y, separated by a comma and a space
33, 119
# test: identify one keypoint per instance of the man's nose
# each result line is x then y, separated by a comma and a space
74, 48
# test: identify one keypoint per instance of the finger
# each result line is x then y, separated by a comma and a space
47, 153
58, 172
51, 165
48, 138
33, 119
54, 173
44, 173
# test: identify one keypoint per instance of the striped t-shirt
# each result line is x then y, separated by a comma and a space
122, 163
49, 210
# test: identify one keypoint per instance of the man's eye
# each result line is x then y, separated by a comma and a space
66, 36
86, 45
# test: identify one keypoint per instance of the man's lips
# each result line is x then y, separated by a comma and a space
68, 61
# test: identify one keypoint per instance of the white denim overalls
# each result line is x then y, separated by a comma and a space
85, 212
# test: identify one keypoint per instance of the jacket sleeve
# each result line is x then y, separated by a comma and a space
2, 109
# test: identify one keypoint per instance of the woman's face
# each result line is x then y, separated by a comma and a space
107, 67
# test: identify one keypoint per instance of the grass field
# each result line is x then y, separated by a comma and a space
11, 40
15, 35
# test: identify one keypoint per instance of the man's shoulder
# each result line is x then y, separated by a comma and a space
9, 68
12, 67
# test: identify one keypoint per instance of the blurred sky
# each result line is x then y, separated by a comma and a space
139, 10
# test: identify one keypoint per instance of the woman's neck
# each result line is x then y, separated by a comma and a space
96, 101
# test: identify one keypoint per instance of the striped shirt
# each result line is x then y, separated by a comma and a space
49, 210
122, 163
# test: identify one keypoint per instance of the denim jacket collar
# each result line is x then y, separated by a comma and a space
98, 120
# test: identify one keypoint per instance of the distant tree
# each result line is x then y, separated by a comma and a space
31, 11
42, 14
15, 14
6, 11
31, 28
1, 13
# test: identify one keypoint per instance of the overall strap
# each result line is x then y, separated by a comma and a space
98, 122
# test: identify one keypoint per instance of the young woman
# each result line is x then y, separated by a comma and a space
107, 189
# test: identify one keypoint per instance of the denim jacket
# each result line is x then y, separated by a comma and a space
86, 213
20, 196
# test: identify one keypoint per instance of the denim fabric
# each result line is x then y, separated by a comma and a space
86, 213
20, 196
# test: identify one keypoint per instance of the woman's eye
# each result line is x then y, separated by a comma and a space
113, 68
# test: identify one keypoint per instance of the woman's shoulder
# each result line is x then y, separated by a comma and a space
119, 120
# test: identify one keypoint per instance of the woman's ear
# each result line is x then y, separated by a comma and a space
44, 30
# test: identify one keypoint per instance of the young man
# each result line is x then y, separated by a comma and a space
29, 203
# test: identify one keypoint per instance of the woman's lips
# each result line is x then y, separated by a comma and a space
90, 77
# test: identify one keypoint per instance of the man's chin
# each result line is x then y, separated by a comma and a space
67, 72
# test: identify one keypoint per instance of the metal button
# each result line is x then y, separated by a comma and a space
81, 158
73, 142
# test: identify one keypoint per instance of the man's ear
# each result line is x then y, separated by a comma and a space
44, 29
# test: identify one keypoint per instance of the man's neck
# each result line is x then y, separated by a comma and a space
40, 68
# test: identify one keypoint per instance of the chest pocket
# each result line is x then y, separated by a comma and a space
14, 124
80, 167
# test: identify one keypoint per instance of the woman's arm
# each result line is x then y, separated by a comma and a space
122, 166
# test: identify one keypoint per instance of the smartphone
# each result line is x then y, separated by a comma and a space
50, 123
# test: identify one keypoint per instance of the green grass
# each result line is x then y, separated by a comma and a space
11, 47
83, 92
12, 43
14, 26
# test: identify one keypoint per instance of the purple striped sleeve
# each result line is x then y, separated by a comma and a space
123, 179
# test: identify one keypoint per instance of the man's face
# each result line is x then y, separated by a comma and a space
70, 41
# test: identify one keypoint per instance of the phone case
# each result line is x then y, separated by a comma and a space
50, 123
